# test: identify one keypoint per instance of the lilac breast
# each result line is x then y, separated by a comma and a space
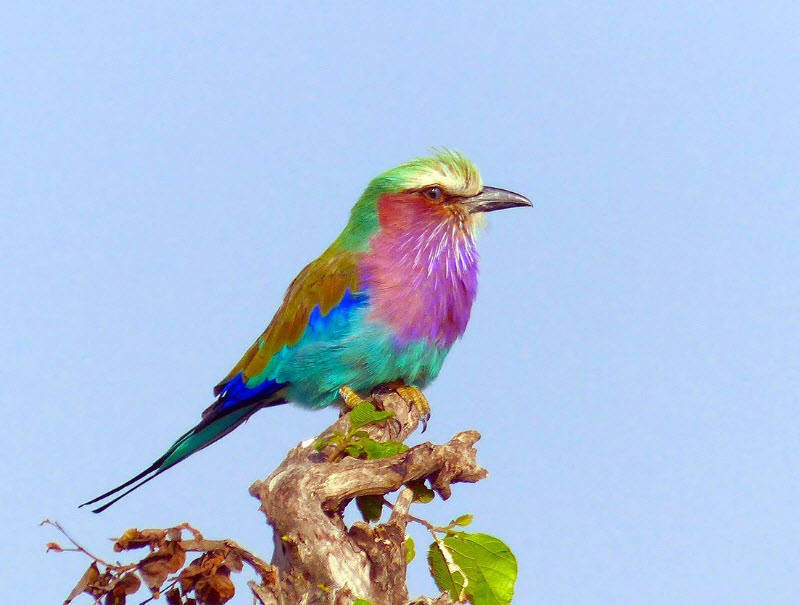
422, 280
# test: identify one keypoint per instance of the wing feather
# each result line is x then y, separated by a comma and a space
322, 283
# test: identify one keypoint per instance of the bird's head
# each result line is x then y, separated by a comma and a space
444, 187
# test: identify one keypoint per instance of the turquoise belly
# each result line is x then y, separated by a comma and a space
348, 349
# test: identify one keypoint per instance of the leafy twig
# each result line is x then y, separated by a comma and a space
79, 548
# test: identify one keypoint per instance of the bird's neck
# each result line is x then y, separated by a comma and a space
421, 271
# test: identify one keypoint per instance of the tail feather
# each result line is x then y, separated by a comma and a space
211, 428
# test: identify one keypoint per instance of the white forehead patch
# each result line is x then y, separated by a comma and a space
454, 177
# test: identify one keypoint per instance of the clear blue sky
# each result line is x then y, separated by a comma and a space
633, 357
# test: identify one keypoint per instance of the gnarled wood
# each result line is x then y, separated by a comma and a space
318, 559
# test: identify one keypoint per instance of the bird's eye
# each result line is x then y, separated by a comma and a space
433, 193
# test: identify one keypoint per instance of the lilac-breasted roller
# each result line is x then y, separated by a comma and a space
383, 304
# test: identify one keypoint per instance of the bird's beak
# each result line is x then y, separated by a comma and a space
492, 198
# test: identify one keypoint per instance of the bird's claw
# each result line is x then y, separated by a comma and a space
350, 398
424, 418
417, 398
410, 394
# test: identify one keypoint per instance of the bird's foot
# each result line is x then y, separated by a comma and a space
416, 397
350, 398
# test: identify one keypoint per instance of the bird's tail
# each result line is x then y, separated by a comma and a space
217, 422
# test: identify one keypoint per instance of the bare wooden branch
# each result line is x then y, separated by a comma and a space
319, 559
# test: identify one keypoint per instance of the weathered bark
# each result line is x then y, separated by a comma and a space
318, 559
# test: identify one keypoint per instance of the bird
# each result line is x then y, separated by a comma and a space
382, 305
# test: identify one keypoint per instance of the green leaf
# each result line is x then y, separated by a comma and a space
478, 566
410, 552
445, 571
356, 450
422, 493
462, 521
370, 507
336, 438
385, 449
362, 602
365, 413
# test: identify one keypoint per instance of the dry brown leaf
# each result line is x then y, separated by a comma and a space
216, 558
213, 561
190, 574
154, 569
233, 560
177, 555
134, 538
174, 597
215, 590
88, 577
54, 546
127, 584
113, 598
103, 584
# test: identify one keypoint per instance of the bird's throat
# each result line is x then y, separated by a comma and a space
421, 271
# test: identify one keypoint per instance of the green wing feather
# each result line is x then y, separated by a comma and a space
322, 283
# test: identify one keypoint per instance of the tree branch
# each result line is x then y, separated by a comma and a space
318, 559
304, 498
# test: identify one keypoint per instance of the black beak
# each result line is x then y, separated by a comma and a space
492, 198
